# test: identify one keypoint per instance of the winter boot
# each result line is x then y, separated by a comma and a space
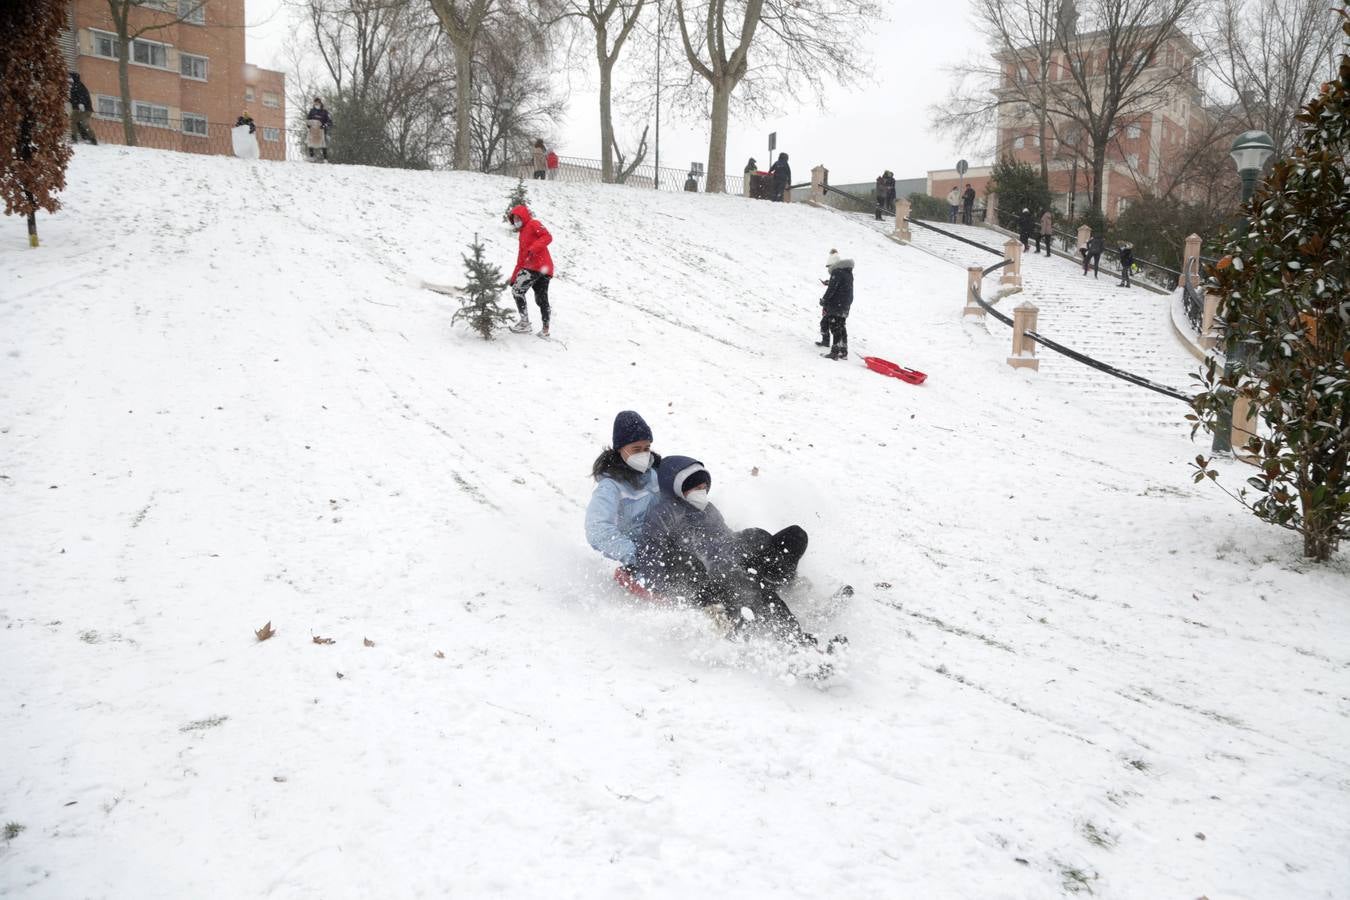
838, 352
543, 332
822, 343
522, 326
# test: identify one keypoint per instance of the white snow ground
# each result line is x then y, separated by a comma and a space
222, 404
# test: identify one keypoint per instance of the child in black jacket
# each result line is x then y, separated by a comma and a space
835, 305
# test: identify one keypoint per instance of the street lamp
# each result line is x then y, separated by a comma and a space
1250, 151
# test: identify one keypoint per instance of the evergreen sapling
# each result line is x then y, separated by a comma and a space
479, 298
519, 196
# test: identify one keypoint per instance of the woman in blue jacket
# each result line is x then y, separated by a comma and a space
625, 486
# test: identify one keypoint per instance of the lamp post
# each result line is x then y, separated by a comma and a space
1250, 151
656, 169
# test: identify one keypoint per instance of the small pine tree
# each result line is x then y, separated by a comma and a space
519, 196
1283, 285
480, 307
33, 149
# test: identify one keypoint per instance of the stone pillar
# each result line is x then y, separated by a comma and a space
1191, 251
1012, 273
1084, 233
1244, 426
901, 232
1209, 336
974, 276
1023, 347
745, 184
820, 176
991, 211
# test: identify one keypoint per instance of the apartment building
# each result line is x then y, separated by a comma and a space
1147, 142
189, 80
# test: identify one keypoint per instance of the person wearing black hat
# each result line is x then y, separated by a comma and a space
81, 108
625, 487
687, 549
782, 177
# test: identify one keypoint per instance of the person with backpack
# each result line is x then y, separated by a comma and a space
539, 156
782, 177
318, 122
1047, 232
836, 303
81, 109
1126, 262
534, 268
625, 488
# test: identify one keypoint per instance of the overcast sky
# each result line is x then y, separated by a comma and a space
865, 128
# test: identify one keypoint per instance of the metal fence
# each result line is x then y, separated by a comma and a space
576, 170
186, 136
1155, 273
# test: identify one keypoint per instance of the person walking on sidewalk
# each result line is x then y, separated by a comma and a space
1126, 262
1047, 232
1093, 254
967, 205
534, 268
880, 196
1024, 228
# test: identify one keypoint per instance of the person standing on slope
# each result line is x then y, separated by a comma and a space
534, 268
954, 202
836, 303
625, 487
319, 122
1047, 232
81, 108
782, 177
967, 205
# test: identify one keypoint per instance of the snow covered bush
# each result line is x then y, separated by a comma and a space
33, 149
480, 307
1285, 306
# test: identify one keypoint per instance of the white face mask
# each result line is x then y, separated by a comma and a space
698, 499
639, 461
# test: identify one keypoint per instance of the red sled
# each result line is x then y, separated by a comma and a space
886, 367
629, 582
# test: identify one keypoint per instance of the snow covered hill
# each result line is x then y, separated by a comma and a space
223, 403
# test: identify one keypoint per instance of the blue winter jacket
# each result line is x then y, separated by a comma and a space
674, 524
616, 513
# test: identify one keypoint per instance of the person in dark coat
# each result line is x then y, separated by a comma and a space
1092, 256
879, 193
1024, 229
318, 114
967, 204
1126, 262
836, 303
246, 119
782, 177
81, 108
888, 180
690, 183
687, 550
751, 166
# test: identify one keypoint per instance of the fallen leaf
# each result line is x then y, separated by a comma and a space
368, 642
323, 640
439, 655
265, 632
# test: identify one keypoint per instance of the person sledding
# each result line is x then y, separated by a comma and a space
625, 488
687, 550
835, 305
534, 268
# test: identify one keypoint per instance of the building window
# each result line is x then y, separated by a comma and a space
1019, 143
271, 134
150, 114
194, 124
193, 11
1132, 132
105, 44
106, 107
193, 67
149, 53
1121, 205
271, 99
1132, 161
248, 94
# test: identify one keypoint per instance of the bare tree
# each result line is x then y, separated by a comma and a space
1269, 55
625, 168
511, 103
156, 16
611, 23
464, 23
796, 43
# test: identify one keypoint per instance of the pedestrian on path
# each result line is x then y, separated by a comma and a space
967, 205
1083, 249
954, 202
1047, 231
880, 196
1093, 254
539, 158
1126, 262
1024, 228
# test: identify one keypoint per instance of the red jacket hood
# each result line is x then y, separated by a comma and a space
521, 212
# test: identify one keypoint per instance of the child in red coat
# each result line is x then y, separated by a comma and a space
534, 268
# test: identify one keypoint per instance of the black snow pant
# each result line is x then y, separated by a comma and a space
966, 212
881, 204
758, 563
538, 175
1093, 259
528, 278
838, 328
824, 328
1043, 239
1026, 241
1126, 263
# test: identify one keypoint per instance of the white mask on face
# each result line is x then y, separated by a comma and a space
639, 461
698, 499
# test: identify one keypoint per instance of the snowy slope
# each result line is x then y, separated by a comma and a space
223, 404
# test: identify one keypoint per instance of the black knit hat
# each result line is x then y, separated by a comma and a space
629, 428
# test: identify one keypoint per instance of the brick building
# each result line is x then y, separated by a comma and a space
189, 80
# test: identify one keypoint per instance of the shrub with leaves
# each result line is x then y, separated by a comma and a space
519, 196
480, 307
922, 206
1284, 287
1019, 186
33, 148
